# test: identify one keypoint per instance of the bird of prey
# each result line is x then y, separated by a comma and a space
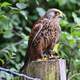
44, 35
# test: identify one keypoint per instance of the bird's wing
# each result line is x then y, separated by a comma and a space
34, 33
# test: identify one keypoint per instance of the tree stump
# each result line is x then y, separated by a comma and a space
47, 70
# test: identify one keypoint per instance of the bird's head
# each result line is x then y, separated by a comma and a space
54, 13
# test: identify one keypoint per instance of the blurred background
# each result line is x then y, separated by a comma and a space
16, 20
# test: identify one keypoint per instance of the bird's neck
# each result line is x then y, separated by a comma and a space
55, 21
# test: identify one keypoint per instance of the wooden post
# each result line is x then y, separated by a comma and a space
47, 70
62, 66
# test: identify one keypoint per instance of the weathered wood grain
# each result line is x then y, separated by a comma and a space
47, 70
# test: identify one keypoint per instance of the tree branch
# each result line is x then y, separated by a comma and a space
18, 74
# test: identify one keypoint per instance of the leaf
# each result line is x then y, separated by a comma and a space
3, 17
24, 36
5, 22
24, 13
14, 10
1, 61
5, 4
64, 23
63, 54
62, 2
40, 11
13, 48
73, 1
8, 34
28, 29
64, 35
21, 5
5, 75
75, 31
76, 19
72, 42
56, 48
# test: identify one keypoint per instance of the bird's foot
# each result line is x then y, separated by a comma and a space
53, 57
44, 58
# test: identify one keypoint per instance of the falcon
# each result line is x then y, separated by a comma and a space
44, 35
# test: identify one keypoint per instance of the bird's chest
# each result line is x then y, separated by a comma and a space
49, 32
47, 35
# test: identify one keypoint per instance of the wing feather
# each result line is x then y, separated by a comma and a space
34, 33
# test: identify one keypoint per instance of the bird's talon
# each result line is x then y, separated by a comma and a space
45, 58
53, 57
42, 59
39, 59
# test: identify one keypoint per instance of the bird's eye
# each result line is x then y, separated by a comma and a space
56, 13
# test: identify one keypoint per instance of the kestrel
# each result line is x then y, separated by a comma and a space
44, 35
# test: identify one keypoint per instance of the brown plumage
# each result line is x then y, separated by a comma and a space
44, 36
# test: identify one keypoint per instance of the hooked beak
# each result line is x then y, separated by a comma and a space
62, 15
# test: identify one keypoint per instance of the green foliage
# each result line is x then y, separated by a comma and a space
16, 20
